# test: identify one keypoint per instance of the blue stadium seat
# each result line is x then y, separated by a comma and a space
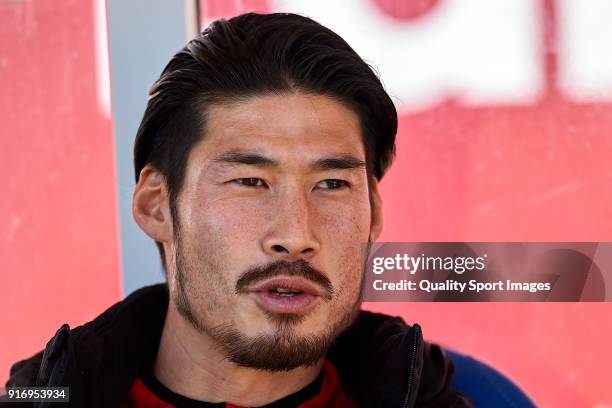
484, 385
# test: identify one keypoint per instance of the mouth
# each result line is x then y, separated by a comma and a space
286, 295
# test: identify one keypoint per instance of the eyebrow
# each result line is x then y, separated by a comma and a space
344, 161
252, 159
338, 162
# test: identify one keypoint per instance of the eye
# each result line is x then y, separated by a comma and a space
251, 182
332, 184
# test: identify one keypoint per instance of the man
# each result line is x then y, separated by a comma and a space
257, 163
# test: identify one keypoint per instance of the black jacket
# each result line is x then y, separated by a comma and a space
381, 361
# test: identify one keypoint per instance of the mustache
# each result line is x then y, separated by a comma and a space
298, 268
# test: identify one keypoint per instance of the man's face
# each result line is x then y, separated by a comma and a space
272, 216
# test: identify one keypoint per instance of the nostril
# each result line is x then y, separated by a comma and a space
279, 248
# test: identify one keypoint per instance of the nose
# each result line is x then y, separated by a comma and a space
291, 235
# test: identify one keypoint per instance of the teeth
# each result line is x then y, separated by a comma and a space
286, 292
283, 290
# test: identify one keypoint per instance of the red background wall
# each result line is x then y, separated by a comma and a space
59, 251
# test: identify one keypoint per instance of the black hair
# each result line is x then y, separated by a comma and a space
257, 54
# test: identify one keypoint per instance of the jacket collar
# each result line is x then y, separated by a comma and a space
379, 358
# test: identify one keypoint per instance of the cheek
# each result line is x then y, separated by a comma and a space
207, 285
346, 223
227, 222
214, 236
345, 230
219, 239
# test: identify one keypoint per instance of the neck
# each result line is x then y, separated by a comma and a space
190, 364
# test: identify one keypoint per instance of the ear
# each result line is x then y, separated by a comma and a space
376, 225
151, 205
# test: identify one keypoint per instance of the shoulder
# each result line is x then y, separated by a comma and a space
116, 321
381, 358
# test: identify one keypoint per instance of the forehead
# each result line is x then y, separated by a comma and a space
288, 127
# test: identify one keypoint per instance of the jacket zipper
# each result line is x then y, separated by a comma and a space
413, 355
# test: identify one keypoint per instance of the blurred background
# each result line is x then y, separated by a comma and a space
505, 135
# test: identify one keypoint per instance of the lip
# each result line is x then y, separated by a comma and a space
296, 304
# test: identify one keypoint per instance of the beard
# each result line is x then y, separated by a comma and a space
282, 350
